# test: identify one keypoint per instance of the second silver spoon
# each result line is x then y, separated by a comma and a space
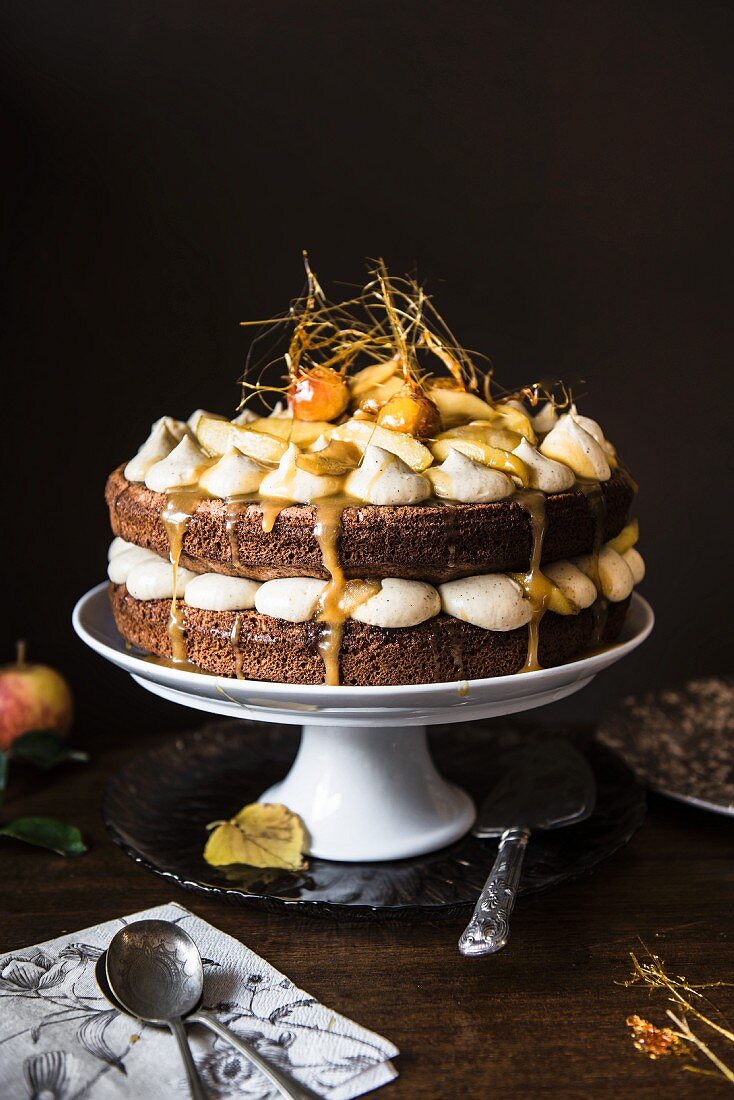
154, 970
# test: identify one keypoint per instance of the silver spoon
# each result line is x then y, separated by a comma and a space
154, 971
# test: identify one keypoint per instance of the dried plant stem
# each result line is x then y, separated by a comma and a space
654, 975
682, 994
391, 317
684, 1032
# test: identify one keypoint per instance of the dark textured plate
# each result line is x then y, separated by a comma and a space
158, 806
680, 741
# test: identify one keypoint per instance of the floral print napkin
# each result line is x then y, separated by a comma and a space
61, 1040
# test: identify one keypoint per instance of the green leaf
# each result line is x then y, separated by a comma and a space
46, 832
44, 749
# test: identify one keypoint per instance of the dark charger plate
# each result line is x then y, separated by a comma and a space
158, 806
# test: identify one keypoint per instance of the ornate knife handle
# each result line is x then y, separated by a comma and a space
489, 928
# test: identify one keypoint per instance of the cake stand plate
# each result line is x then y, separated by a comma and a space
363, 781
157, 809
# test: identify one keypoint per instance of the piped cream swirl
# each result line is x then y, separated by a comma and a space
546, 419
216, 592
572, 445
290, 482
544, 473
294, 599
233, 475
157, 446
153, 580
593, 428
493, 601
462, 479
122, 563
575, 585
383, 478
181, 469
399, 603
615, 575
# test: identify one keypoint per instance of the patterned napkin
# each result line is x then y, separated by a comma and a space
60, 1040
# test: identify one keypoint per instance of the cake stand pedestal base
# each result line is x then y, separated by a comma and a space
371, 793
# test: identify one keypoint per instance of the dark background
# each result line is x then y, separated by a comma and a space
560, 171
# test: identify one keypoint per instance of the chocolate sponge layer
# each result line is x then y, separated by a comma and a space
431, 541
439, 650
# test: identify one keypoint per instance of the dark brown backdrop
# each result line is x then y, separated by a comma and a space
561, 171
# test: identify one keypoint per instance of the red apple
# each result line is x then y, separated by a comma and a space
32, 697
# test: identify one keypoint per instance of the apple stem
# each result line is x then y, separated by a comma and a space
20, 650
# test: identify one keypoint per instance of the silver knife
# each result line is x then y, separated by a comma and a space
545, 784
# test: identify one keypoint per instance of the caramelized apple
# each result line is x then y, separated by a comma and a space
301, 432
627, 537
334, 460
411, 412
542, 590
363, 433
458, 406
377, 374
318, 394
217, 436
478, 451
486, 432
515, 420
377, 396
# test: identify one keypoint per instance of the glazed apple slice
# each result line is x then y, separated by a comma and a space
364, 433
458, 407
486, 432
542, 588
377, 396
488, 455
377, 374
300, 432
507, 416
627, 538
323, 465
218, 436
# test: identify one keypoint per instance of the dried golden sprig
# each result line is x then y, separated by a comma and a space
685, 1032
557, 393
389, 317
406, 356
689, 1001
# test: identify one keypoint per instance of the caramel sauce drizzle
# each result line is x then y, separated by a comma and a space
341, 597
180, 666
179, 508
232, 516
532, 501
331, 611
271, 509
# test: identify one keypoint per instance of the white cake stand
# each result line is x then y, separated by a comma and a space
363, 781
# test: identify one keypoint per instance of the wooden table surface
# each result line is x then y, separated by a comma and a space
545, 1016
